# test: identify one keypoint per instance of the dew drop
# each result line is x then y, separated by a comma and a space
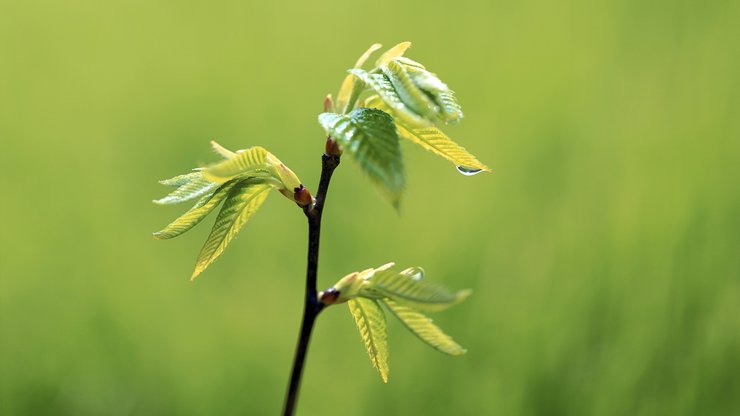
467, 171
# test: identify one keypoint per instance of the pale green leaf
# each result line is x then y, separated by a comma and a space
409, 287
393, 53
371, 322
423, 327
351, 88
196, 214
434, 140
450, 110
191, 186
255, 162
411, 95
248, 163
385, 90
242, 201
226, 153
370, 137
423, 78
180, 180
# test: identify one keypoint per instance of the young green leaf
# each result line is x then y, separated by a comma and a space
434, 140
189, 187
256, 162
180, 180
384, 88
351, 86
371, 322
410, 288
423, 327
241, 202
393, 53
370, 137
224, 152
196, 214
411, 95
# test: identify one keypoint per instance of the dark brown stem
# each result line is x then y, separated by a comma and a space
312, 306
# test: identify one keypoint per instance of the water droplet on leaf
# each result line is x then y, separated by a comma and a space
468, 171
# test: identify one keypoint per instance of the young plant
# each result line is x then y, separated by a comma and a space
375, 108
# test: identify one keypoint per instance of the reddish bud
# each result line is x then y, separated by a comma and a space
328, 104
332, 147
329, 296
302, 196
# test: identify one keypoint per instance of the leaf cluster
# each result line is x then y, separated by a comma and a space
239, 183
398, 98
406, 295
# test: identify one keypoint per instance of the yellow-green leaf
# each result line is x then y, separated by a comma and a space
423, 327
226, 153
371, 322
241, 202
180, 180
255, 162
189, 187
370, 137
196, 214
434, 140
350, 89
385, 90
393, 53
409, 287
408, 92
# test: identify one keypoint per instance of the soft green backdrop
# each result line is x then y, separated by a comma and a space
604, 249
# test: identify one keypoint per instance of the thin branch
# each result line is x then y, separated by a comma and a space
312, 306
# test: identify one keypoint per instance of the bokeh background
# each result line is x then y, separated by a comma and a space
603, 249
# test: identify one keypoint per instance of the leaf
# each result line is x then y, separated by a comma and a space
180, 180
423, 327
370, 136
192, 186
411, 95
350, 89
393, 53
241, 202
388, 94
226, 153
423, 78
196, 214
409, 287
450, 110
255, 162
434, 140
371, 322
252, 162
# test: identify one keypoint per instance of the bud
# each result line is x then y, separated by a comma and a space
332, 147
329, 296
302, 196
328, 103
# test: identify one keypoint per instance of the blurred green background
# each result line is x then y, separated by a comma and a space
603, 249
